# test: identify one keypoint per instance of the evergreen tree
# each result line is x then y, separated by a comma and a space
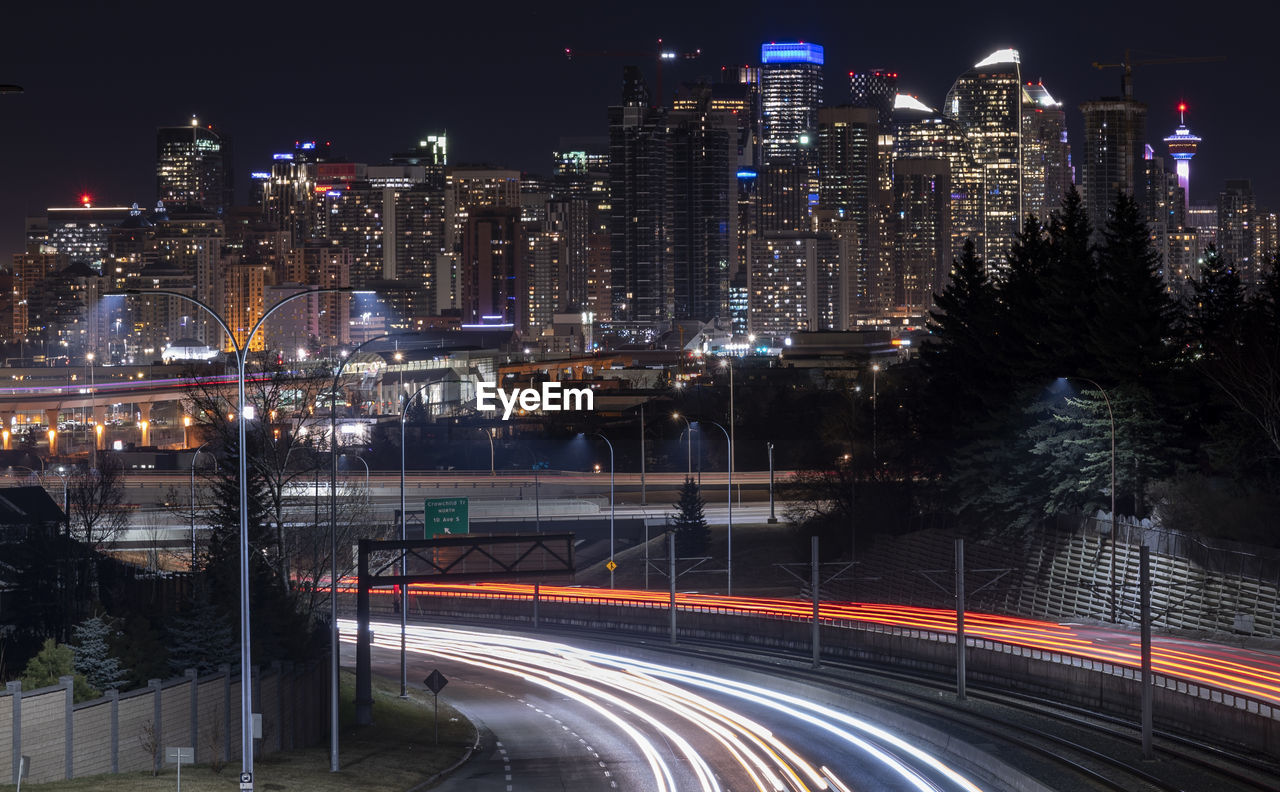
1216, 310
1023, 345
93, 657
142, 654
52, 661
1070, 288
1132, 334
692, 533
201, 637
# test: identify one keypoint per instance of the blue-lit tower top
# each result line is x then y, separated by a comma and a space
791, 52
1182, 147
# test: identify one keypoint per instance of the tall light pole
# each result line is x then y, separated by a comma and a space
728, 363
875, 369
1112, 571
689, 449
366, 470
93, 408
772, 517
729, 550
612, 563
404, 537
242, 354
194, 457
487, 436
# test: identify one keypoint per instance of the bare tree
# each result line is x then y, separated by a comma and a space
96, 502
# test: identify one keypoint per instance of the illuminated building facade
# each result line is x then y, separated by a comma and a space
193, 167
1237, 240
921, 234
1046, 157
876, 89
491, 271
329, 266
790, 95
848, 185
82, 232
923, 133
986, 104
796, 283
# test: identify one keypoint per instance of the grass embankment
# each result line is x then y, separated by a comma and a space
395, 753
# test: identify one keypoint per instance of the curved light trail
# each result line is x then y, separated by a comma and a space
651, 704
1242, 671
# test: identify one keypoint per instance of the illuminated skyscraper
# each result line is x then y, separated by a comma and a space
1237, 240
876, 89
986, 103
790, 95
848, 185
923, 133
1182, 147
1046, 157
797, 283
921, 234
193, 167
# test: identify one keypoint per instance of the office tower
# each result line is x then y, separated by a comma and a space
790, 95
1046, 157
191, 246
289, 197
1266, 236
876, 89
986, 103
1203, 220
739, 92
80, 232
1161, 202
243, 285
31, 271
472, 187
431, 155
796, 283
545, 276
920, 220
329, 266
848, 185
193, 167
702, 166
1112, 153
1182, 147
1237, 240
923, 133
492, 278
643, 285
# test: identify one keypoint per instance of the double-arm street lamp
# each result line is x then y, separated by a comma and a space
241, 354
1112, 571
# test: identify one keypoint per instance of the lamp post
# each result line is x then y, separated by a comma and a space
612, 564
875, 369
194, 457
728, 364
241, 354
772, 517
1111, 575
93, 408
404, 537
689, 448
489, 437
729, 550
366, 470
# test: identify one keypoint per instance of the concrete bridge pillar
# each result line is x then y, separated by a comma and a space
51, 420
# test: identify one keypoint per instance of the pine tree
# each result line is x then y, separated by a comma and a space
1216, 312
201, 637
56, 660
1071, 288
93, 656
1021, 294
690, 525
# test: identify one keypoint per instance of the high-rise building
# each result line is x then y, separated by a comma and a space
80, 232
491, 272
796, 283
986, 104
739, 93
1237, 240
1112, 153
642, 281
877, 89
849, 185
923, 133
1182, 147
790, 95
1046, 157
193, 167
31, 271
921, 235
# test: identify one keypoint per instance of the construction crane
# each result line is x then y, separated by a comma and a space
661, 55
1126, 79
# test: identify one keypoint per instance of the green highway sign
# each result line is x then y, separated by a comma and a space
445, 516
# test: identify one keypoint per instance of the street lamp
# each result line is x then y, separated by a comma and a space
729, 550
612, 564
772, 518
366, 470
241, 354
728, 364
487, 436
689, 443
875, 369
1111, 415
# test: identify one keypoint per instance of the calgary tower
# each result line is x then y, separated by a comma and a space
1182, 147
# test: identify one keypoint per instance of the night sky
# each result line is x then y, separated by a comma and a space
372, 77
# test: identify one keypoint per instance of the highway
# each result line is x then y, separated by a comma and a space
556, 717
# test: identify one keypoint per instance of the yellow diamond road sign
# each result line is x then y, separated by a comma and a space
610, 566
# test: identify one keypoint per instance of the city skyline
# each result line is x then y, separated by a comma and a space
491, 116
